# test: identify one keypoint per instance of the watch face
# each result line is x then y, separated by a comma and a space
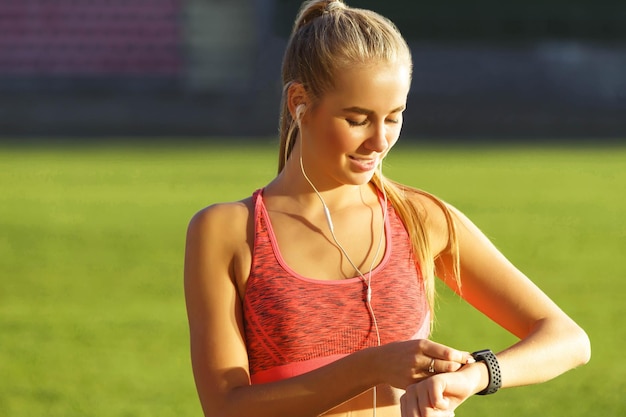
480, 353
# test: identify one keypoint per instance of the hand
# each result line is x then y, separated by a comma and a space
439, 395
405, 363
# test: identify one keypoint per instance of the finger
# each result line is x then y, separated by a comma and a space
418, 401
445, 353
408, 405
436, 366
435, 395
431, 366
426, 399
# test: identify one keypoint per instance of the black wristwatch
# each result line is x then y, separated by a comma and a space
495, 380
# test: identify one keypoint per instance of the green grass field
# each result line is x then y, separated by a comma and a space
92, 318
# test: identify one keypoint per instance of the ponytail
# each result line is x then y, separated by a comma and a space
313, 9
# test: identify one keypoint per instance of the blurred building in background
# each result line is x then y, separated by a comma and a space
483, 69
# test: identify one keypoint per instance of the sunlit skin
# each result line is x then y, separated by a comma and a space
348, 132
344, 136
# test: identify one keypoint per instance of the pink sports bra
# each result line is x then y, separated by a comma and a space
295, 324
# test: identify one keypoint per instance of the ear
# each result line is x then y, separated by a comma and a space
296, 96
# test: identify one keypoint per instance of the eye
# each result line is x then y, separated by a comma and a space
395, 118
355, 123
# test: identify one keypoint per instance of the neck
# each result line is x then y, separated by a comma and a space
291, 182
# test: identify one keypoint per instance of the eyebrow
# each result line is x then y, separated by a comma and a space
361, 110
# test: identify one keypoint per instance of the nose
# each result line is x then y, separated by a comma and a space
377, 141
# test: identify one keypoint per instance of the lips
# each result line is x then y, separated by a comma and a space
364, 164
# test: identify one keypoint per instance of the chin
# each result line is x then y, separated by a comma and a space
361, 178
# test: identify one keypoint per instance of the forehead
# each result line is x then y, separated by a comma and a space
377, 87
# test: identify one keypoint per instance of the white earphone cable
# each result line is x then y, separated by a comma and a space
366, 281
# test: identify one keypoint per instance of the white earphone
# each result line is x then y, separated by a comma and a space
299, 110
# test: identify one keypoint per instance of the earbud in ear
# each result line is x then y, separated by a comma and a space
299, 111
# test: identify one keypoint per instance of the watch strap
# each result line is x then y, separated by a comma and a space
493, 368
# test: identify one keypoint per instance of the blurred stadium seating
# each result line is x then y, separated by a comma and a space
90, 38
198, 67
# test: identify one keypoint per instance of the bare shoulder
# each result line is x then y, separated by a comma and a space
222, 221
218, 243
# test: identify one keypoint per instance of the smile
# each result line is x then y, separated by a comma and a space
364, 164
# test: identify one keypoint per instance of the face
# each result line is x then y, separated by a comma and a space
348, 132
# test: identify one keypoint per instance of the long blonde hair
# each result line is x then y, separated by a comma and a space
329, 36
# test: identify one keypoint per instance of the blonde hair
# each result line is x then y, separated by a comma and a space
327, 37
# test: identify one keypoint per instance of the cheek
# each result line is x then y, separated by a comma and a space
393, 135
340, 137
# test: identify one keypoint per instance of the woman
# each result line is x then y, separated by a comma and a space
315, 295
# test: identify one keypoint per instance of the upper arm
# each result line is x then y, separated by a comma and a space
219, 359
492, 284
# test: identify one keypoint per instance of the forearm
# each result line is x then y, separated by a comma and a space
550, 349
310, 394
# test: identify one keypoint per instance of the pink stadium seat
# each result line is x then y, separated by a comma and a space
85, 37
